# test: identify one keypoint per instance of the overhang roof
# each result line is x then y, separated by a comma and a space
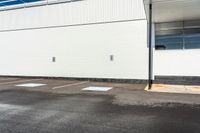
173, 10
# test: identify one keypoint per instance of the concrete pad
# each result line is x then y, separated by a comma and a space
185, 89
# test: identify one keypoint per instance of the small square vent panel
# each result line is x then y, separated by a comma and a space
95, 88
30, 85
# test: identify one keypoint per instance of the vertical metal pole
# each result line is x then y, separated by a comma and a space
150, 47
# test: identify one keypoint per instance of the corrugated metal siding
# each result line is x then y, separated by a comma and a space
82, 12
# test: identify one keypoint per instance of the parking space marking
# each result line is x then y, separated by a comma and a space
68, 85
97, 88
30, 85
13, 82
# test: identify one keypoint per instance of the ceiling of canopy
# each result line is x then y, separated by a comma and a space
174, 10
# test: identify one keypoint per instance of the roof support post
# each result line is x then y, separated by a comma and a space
150, 81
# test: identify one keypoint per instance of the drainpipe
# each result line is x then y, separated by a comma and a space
150, 81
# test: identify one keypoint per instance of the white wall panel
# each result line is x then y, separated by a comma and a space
80, 51
87, 11
177, 62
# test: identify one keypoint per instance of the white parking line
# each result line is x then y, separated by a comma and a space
79, 83
13, 82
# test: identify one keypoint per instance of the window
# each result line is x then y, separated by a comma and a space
178, 35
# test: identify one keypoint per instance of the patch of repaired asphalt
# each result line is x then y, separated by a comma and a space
25, 111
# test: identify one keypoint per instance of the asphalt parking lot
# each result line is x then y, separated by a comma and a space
60, 106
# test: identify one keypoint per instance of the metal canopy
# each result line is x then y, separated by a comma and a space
173, 10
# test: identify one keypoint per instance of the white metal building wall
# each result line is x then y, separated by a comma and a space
177, 62
81, 12
80, 51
